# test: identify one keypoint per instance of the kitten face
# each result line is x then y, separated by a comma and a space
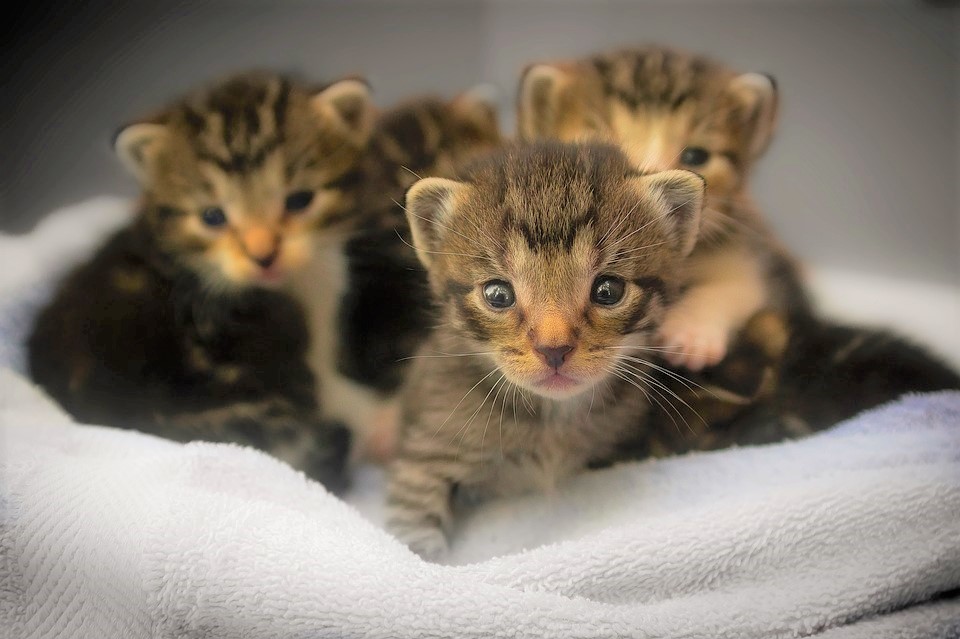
430, 136
665, 109
551, 257
238, 177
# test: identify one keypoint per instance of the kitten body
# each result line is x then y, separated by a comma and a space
179, 326
668, 109
373, 313
552, 264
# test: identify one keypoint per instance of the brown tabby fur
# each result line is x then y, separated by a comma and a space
384, 312
787, 372
484, 409
181, 328
655, 103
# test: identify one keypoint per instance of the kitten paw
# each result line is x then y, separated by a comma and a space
429, 543
691, 343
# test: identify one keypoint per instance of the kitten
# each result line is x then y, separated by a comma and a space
179, 326
669, 109
380, 317
550, 263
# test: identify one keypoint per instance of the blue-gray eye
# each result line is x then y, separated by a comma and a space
499, 294
607, 290
298, 201
213, 216
694, 156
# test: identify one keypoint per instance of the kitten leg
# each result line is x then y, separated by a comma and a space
698, 327
419, 500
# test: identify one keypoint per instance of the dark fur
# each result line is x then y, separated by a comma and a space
167, 328
172, 360
387, 311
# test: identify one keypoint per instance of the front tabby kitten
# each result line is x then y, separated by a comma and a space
551, 263
178, 326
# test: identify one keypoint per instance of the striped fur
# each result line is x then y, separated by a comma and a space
424, 137
665, 108
180, 328
483, 410
655, 102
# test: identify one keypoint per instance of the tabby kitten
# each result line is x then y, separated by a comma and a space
178, 326
669, 109
789, 373
380, 317
551, 262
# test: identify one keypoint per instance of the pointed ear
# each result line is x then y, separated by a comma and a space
348, 106
542, 92
757, 94
430, 205
138, 146
680, 195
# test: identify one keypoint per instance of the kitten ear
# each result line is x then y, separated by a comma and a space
139, 145
348, 105
430, 204
757, 93
680, 194
540, 99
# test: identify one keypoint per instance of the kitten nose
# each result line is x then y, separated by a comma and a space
261, 245
266, 260
554, 356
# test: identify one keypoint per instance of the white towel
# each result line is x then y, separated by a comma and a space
109, 533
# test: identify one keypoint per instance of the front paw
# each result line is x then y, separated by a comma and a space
427, 541
693, 342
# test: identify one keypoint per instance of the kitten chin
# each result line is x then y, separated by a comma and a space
553, 265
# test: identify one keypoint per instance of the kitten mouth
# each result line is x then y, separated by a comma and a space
557, 381
271, 275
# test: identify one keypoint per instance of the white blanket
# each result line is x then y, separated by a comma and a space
109, 533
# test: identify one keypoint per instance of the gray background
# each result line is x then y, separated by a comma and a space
863, 174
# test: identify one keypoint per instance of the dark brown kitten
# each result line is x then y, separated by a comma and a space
178, 326
384, 312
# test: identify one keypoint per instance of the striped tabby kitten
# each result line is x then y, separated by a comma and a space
667, 110
789, 373
551, 263
178, 326
380, 320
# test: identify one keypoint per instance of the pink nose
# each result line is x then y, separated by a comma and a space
554, 356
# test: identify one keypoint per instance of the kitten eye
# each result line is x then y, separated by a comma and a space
298, 201
213, 216
607, 290
694, 156
499, 294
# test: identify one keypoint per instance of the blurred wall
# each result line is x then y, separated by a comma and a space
863, 174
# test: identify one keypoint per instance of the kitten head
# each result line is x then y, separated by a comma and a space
666, 109
431, 136
554, 257
238, 176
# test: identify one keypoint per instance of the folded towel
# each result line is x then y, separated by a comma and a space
107, 533
111, 533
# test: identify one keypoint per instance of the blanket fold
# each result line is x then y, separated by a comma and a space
109, 533
851, 534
